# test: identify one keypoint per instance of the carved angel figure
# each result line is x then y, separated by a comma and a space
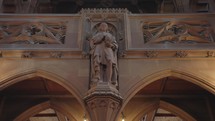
104, 56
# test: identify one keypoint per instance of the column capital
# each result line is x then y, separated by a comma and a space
103, 102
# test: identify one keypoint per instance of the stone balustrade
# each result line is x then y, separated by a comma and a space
138, 35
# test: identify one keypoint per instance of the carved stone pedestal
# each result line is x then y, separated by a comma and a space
103, 102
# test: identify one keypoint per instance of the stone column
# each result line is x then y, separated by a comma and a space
103, 102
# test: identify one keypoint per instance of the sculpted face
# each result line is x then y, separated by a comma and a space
103, 27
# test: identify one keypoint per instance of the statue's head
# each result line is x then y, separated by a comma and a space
103, 27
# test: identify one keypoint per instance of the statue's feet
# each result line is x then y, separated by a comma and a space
95, 80
113, 82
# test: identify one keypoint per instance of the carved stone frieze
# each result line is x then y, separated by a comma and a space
32, 32
178, 32
27, 55
56, 54
151, 54
210, 54
104, 11
181, 54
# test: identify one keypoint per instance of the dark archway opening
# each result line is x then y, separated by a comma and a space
23, 95
189, 97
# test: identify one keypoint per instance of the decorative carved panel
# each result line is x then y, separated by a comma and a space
32, 32
178, 32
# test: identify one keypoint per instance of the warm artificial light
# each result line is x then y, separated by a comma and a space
85, 119
123, 117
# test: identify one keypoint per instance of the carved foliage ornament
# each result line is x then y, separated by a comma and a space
210, 54
178, 32
181, 54
103, 103
151, 54
27, 55
103, 11
56, 54
32, 33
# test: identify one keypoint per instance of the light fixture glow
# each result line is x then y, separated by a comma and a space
123, 116
85, 119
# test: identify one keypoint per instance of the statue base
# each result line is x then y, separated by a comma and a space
103, 101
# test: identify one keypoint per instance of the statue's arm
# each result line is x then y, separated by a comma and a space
114, 43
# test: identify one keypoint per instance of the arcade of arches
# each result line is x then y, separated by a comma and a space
158, 66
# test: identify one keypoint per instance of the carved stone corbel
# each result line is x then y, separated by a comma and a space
103, 102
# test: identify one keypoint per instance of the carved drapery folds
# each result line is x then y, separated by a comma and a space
32, 32
114, 18
178, 32
103, 41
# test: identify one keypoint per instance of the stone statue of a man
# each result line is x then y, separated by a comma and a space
104, 56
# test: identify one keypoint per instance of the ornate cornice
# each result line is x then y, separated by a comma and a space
129, 54
104, 11
169, 54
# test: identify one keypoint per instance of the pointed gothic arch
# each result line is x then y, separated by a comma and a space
12, 78
166, 106
204, 82
43, 106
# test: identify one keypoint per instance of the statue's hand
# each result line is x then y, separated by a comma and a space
109, 45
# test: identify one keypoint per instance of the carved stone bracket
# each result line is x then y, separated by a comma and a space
103, 102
